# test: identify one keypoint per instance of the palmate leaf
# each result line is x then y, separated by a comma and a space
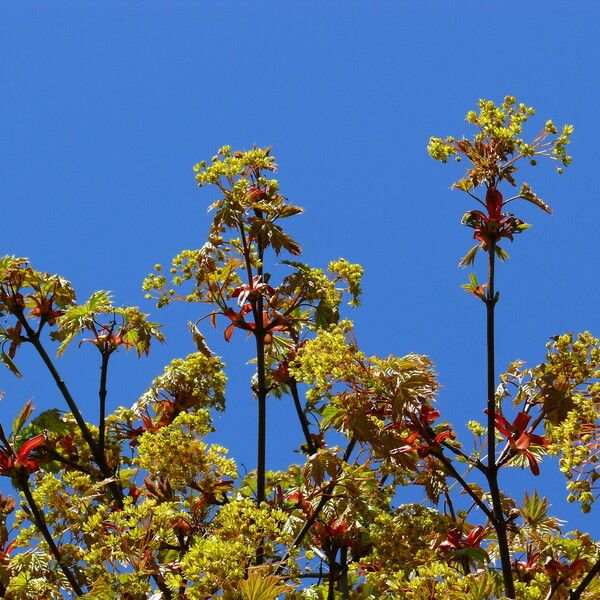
50, 421
326, 315
266, 233
100, 590
46, 284
13, 268
261, 586
80, 317
135, 329
324, 462
20, 584
535, 513
138, 331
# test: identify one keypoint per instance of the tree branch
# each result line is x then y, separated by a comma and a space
99, 457
325, 497
40, 523
102, 396
592, 573
492, 467
293, 385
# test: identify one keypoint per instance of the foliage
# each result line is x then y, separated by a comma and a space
141, 505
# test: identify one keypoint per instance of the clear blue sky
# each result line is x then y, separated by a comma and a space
106, 106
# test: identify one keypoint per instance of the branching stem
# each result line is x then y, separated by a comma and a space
99, 457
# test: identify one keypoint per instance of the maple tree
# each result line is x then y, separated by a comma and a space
139, 504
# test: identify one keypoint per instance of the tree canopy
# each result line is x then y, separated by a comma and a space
140, 504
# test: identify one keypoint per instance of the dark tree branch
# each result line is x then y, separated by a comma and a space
492, 467
592, 574
40, 522
293, 385
99, 457
343, 582
102, 396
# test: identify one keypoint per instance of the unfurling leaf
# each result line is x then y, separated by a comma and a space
22, 417
8, 362
469, 257
528, 194
501, 253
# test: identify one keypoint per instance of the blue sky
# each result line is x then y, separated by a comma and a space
105, 108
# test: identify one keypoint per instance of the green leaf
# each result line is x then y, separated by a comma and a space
332, 415
22, 417
469, 257
20, 584
48, 421
8, 362
80, 317
478, 555
326, 315
137, 330
463, 184
288, 210
260, 586
501, 253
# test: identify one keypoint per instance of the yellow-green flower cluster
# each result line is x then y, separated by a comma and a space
497, 145
503, 122
570, 390
402, 540
198, 378
203, 266
476, 428
326, 359
440, 149
220, 560
352, 273
228, 165
177, 453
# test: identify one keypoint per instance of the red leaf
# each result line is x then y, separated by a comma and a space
28, 447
